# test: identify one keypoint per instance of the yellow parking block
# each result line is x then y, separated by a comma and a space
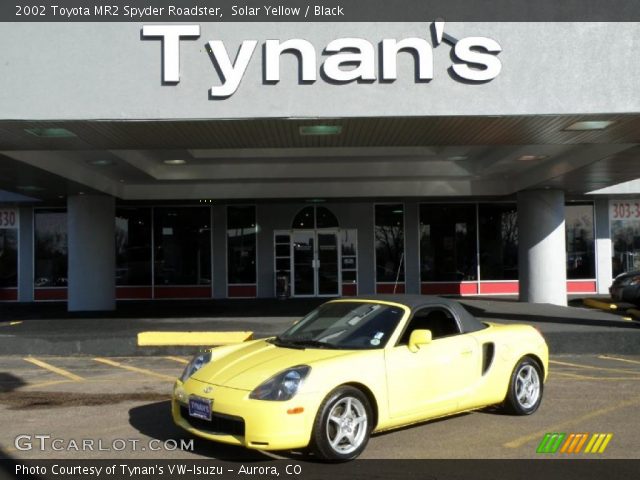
599, 304
634, 312
157, 339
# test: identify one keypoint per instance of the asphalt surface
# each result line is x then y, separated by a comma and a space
47, 329
110, 400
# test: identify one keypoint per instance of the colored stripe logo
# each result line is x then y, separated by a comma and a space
573, 443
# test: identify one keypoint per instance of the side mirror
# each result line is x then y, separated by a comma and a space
418, 338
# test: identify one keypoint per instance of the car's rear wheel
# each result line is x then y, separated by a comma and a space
343, 425
525, 388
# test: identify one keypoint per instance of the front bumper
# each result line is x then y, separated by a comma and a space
266, 424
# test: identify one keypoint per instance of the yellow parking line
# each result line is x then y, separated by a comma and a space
178, 359
144, 371
559, 427
591, 367
575, 376
45, 384
51, 368
607, 357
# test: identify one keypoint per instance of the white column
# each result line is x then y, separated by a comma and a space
92, 262
604, 252
542, 257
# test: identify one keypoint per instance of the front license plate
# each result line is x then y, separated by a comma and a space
200, 408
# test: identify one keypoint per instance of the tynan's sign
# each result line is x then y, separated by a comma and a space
348, 59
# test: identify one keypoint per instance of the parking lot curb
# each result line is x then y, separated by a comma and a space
599, 304
191, 339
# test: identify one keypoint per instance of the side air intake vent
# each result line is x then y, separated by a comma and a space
488, 351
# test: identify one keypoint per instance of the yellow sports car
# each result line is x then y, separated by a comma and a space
358, 366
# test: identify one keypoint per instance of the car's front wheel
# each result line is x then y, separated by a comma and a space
525, 388
343, 425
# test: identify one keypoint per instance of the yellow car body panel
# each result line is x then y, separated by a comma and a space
393, 378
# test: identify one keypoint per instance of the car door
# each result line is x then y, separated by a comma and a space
432, 380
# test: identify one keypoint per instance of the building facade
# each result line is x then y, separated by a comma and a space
210, 161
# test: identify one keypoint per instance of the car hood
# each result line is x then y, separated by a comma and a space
247, 367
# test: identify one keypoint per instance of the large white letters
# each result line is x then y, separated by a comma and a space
465, 51
171, 35
232, 73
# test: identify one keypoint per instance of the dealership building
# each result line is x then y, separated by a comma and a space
253, 160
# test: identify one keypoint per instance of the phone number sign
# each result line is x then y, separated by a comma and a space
624, 209
9, 218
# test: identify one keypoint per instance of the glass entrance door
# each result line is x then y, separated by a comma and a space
316, 269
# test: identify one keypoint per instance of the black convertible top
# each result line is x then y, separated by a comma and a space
468, 322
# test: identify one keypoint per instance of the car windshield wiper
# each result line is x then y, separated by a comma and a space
279, 342
311, 343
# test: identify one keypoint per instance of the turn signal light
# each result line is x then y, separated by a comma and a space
293, 411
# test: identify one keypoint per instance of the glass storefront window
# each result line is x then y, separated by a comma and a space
579, 227
448, 243
8, 257
182, 246
241, 245
133, 246
624, 217
389, 236
498, 241
349, 244
50, 248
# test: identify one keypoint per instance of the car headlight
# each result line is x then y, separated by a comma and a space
283, 386
195, 364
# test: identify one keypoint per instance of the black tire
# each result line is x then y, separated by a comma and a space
525, 388
339, 434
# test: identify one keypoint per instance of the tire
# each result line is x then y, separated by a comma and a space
342, 426
525, 388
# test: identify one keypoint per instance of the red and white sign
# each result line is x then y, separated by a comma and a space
9, 218
624, 209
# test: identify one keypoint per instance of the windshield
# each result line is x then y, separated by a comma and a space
344, 325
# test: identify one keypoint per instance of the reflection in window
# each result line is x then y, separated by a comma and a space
8, 257
241, 245
498, 241
182, 244
625, 240
389, 235
315, 217
50, 248
133, 246
580, 241
349, 242
447, 243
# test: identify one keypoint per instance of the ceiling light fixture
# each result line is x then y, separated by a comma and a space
177, 161
29, 188
457, 158
530, 158
101, 162
320, 130
589, 125
50, 132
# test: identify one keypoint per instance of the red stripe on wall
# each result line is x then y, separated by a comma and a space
131, 293
349, 289
49, 294
449, 288
389, 288
182, 292
581, 286
8, 294
235, 291
499, 288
